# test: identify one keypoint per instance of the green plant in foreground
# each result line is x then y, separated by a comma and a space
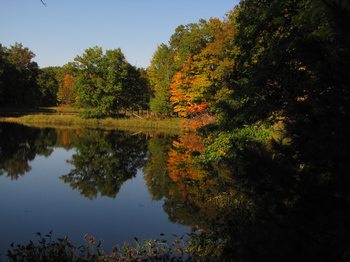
47, 250
63, 250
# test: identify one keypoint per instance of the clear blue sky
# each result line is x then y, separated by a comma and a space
65, 28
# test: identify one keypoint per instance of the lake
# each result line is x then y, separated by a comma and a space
253, 205
77, 182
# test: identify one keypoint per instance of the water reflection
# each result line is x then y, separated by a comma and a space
104, 160
251, 206
20, 144
58, 183
259, 207
190, 188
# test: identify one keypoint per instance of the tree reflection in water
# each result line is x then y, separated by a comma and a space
104, 161
20, 144
256, 205
252, 206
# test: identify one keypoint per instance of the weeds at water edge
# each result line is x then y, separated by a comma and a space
63, 250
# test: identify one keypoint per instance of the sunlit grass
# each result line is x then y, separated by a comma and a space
67, 116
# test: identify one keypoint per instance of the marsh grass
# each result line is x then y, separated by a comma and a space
67, 116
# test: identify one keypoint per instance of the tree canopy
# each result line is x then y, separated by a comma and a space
18, 76
106, 82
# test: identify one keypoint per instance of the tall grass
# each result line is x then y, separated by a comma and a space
74, 119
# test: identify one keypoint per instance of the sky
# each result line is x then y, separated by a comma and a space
63, 29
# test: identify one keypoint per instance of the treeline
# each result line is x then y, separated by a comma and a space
100, 83
255, 65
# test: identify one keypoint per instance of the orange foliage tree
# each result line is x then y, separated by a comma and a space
199, 83
66, 92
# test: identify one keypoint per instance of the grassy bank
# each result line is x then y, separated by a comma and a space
61, 116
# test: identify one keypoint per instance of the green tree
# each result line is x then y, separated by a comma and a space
3, 68
146, 90
160, 75
135, 88
106, 82
20, 82
189, 40
48, 85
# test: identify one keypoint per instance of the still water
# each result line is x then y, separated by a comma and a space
253, 205
77, 182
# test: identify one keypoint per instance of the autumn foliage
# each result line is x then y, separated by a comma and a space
66, 93
194, 181
196, 86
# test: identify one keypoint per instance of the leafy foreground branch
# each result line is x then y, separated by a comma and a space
147, 250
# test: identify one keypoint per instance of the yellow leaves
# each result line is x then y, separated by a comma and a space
177, 57
176, 144
66, 90
188, 89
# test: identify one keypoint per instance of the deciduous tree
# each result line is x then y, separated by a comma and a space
106, 82
160, 75
199, 83
48, 86
19, 72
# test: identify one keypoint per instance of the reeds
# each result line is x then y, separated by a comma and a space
75, 120
63, 250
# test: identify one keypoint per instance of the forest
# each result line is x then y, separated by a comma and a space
267, 83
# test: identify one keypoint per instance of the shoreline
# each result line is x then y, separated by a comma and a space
59, 121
